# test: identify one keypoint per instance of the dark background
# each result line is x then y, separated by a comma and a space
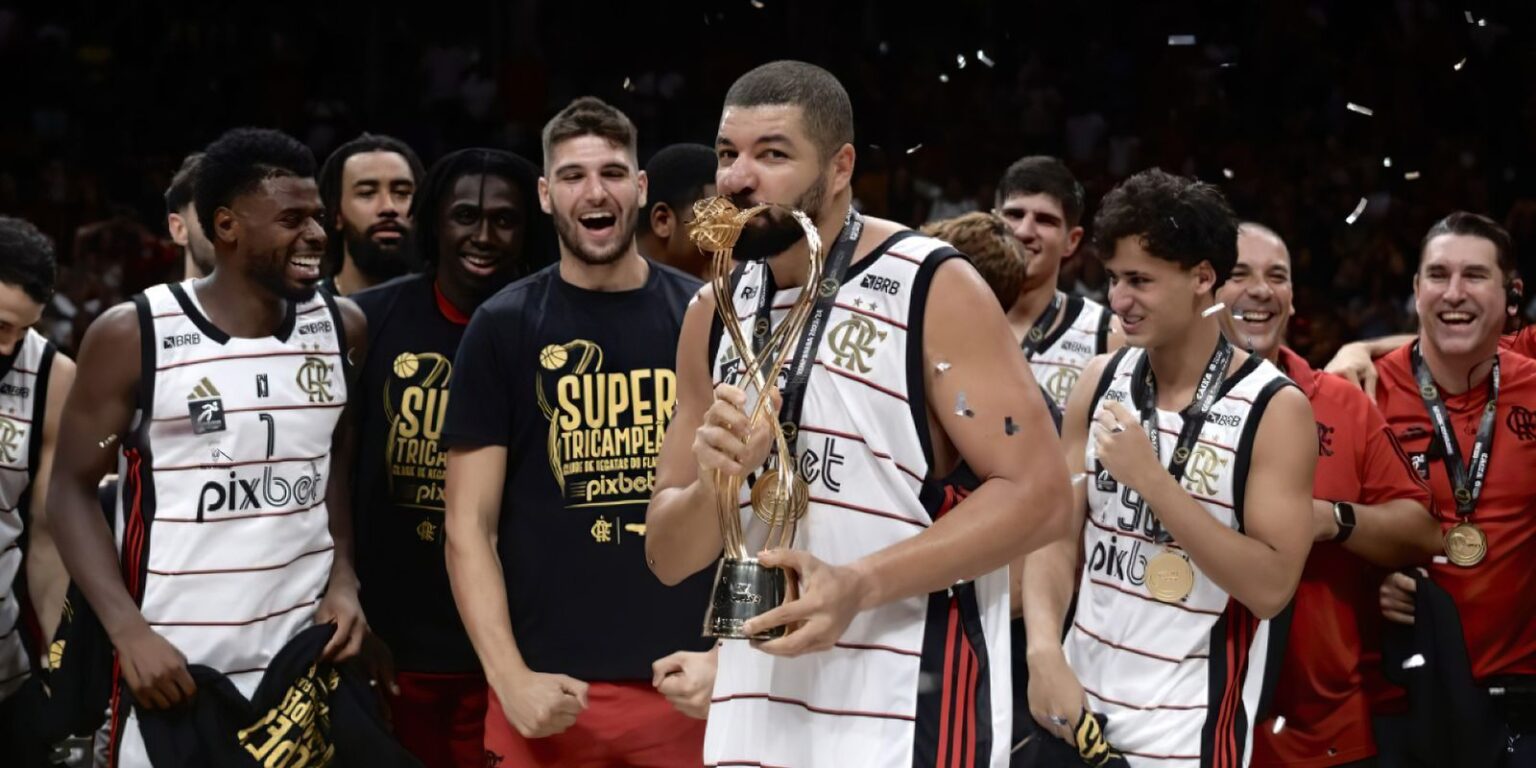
101, 101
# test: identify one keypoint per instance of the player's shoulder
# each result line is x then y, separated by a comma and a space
1517, 370
379, 298
519, 295
677, 286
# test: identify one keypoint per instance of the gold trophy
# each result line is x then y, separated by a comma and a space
744, 588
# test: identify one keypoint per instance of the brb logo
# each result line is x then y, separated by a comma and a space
268, 491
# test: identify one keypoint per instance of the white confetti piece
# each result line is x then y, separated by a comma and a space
1458, 65
1181, 39
1353, 107
943, 78
758, 4
1355, 214
1414, 662
981, 56
1386, 162
942, 366
1411, 176
1213, 309
960, 60
914, 147
1279, 724
1227, 172
628, 86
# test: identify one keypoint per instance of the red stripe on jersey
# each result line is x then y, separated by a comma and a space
868, 511
254, 569
904, 257
867, 313
1241, 625
872, 647
1131, 534
243, 623
224, 465
970, 702
1138, 651
1151, 599
1144, 708
810, 708
296, 353
865, 382
946, 701
858, 439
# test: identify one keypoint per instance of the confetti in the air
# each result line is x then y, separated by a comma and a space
914, 147
1468, 14
1181, 39
1353, 107
1355, 214
981, 56
1411, 176
1174, 222
1458, 65
960, 60
943, 78
942, 366
1441, 560
1482, 22
884, 47
628, 86
1009, 428
110, 439
1227, 172
1386, 162
961, 407
1414, 662
1213, 309
758, 4
1279, 724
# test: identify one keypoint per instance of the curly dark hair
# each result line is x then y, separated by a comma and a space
237, 162
26, 258
1176, 219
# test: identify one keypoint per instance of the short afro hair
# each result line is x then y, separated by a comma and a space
237, 162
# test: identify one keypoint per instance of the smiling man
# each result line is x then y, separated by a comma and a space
226, 397
478, 229
1195, 514
1462, 408
1368, 509
563, 388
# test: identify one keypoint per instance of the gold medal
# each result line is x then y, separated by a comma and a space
1465, 544
1170, 577
770, 504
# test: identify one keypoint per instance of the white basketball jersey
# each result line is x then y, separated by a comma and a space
1082, 333
1180, 682
225, 538
23, 396
920, 681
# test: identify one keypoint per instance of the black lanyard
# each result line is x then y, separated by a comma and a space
1465, 493
1031, 342
1194, 414
835, 269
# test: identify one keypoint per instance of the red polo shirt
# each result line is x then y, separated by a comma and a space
1497, 597
1320, 694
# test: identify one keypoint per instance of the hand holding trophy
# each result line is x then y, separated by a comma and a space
744, 588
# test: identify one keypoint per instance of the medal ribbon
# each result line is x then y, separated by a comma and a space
1465, 493
1031, 342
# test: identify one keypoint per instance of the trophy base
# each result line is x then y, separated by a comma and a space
744, 589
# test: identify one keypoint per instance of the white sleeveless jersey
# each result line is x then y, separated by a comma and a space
921, 681
1181, 682
23, 399
1082, 333
225, 538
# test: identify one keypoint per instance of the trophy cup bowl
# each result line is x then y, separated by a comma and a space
745, 588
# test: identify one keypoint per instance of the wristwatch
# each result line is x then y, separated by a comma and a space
1344, 517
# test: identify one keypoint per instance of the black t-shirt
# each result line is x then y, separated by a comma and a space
398, 476
579, 386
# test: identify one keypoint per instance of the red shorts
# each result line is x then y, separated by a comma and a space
624, 724
440, 718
